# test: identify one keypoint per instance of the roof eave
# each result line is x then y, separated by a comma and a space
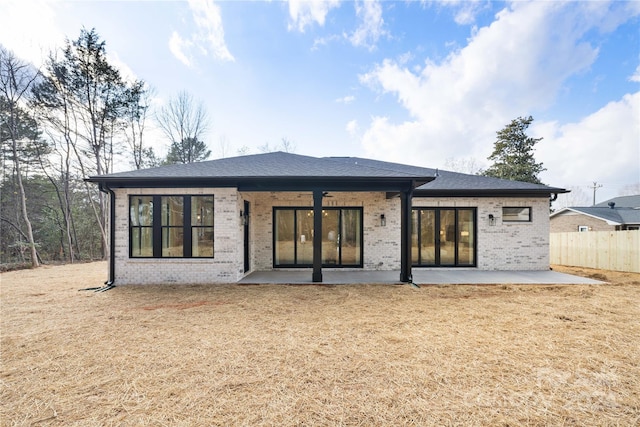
269, 183
488, 192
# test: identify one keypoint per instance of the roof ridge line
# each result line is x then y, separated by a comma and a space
373, 167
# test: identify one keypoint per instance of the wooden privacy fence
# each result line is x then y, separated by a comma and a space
609, 250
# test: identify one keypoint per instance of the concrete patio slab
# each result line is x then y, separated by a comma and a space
420, 277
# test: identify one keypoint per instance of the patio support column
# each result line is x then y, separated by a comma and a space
405, 238
317, 236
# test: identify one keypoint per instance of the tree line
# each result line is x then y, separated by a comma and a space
68, 120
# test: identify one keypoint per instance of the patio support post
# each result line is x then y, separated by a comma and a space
317, 236
405, 238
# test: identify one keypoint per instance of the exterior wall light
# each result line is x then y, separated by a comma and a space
383, 220
492, 219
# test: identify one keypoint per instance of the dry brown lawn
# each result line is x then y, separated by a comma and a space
279, 355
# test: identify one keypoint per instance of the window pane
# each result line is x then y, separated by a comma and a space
172, 210
465, 237
284, 236
141, 242
447, 237
415, 250
141, 210
428, 236
350, 238
516, 214
202, 211
202, 242
304, 236
172, 242
330, 237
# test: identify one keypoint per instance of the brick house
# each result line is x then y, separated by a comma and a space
619, 213
217, 221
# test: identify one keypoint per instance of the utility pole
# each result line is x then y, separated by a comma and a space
594, 187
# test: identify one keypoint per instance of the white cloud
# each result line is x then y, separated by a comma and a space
304, 13
352, 128
28, 29
466, 14
206, 15
605, 143
179, 47
515, 65
465, 11
208, 37
635, 77
32, 36
346, 99
371, 26
125, 71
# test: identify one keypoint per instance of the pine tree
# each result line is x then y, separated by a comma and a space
513, 154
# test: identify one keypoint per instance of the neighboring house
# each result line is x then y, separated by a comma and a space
620, 213
216, 221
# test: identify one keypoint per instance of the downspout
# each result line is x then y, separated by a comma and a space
112, 235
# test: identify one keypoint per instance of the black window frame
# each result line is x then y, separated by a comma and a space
157, 227
437, 263
295, 209
530, 219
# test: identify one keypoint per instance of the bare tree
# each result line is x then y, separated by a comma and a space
224, 146
243, 151
630, 190
285, 145
266, 148
16, 79
466, 165
577, 197
137, 104
184, 121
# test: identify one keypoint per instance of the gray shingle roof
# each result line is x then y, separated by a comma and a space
452, 182
626, 210
620, 216
281, 165
268, 165
622, 202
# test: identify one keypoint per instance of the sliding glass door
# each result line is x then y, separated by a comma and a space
341, 237
443, 237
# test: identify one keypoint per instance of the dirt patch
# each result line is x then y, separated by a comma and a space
610, 276
316, 355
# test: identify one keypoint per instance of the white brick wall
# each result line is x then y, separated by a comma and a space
503, 246
226, 266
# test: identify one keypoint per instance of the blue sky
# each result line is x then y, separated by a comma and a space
419, 82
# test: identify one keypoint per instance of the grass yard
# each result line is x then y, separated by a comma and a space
277, 355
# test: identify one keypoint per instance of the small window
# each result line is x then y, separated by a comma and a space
583, 228
516, 214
